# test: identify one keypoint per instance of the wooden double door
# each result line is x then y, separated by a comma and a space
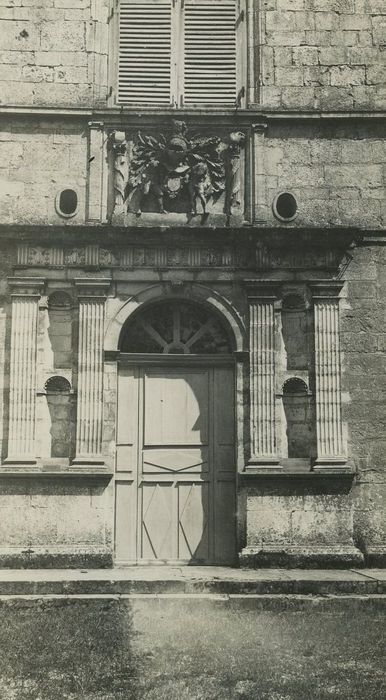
175, 471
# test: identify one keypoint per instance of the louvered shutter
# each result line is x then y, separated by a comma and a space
145, 44
210, 51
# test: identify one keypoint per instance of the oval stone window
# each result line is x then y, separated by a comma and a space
285, 206
67, 203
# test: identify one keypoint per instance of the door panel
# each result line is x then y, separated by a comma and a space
157, 526
224, 522
176, 407
127, 427
176, 465
125, 521
191, 461
224, 466
193, 515
223, 404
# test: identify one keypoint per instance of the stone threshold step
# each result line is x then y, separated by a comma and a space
156, 580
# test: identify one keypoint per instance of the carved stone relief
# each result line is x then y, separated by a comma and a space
253, 256
192, 175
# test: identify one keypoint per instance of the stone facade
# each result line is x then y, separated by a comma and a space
302, 294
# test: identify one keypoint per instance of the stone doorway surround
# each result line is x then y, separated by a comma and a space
199, 329
107, 296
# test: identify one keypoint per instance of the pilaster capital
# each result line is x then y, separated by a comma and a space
118, 142
260, 128
264, 290
326, 289
26, 286
95, 288
96, 125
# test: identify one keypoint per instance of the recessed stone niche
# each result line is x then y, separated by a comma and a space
60, 329
58, 395
298, 412
298, 430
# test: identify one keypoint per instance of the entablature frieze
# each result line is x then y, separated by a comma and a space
186, 252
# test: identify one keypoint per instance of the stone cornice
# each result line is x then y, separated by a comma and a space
118, 115
271, 235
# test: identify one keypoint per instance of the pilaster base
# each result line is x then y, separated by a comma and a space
20, 459
88, 460
375, 555
323, 557
263, 465
332, 465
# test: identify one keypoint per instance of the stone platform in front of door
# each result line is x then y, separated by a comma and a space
191, 581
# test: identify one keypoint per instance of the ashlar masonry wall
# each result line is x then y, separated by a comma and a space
324, 55
363, 337
38, 159
337, 172
53, 52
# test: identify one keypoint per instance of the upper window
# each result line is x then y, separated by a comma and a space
181, 52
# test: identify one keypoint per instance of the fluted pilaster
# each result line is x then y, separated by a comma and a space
260, 208
25, 297
89, 425
96, 186
331, 448
262, 376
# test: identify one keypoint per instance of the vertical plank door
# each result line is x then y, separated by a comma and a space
185, 471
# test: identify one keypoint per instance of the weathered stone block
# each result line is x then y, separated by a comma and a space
71, 74
344, 76
305, 56
68, 35
283, 56
19, 35
38, 74
375, 74
325, 20
346, 176
298, 97
280, 21
316, 75
333, 55
317, 38
355, 21
289, 76
285, 38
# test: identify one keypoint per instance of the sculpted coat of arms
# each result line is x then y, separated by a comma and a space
182, 173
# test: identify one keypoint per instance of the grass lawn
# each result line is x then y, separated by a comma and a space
196, 650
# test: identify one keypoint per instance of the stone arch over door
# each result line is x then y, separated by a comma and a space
176, 434
192, 292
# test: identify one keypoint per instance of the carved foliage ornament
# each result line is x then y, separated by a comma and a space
180, 171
